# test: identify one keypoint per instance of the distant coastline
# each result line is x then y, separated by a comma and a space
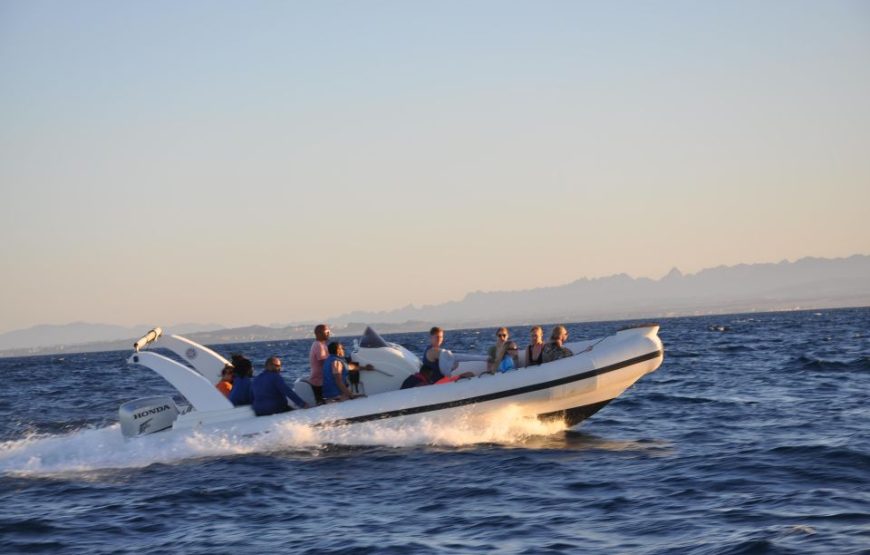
806, 284
242, 335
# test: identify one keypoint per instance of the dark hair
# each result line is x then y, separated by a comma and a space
320, 332
333, 347
242, 366
435, 329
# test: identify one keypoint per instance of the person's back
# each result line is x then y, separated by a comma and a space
240, 394
243, 370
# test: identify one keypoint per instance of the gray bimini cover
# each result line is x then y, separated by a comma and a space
371, 340
146, 416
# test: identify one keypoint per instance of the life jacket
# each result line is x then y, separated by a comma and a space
224, 387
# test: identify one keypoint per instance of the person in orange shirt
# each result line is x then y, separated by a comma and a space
226, 383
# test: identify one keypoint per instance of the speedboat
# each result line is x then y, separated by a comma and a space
569, 389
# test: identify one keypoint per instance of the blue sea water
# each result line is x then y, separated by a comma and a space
751, 438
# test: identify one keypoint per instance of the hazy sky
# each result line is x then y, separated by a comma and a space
258, 162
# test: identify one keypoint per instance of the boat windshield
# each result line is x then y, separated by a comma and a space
371, 340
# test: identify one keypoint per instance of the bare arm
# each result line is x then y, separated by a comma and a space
339, 380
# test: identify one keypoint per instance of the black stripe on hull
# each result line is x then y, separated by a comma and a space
497, 395
574, 416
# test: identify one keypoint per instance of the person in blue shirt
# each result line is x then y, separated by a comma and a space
270, 391
242, 372
511, 358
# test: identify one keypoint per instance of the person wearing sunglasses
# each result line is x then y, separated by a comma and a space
496, 352
511, 359
555, 349
270, 392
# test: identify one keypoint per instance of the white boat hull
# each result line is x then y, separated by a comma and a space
570, 389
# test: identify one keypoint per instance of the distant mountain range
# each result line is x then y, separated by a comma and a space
805, 283
808, 283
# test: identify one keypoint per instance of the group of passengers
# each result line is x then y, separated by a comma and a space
267, 393
335, 378
501, 357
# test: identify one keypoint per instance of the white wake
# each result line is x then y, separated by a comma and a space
105, 448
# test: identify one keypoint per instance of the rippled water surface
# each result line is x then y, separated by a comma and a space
751, 438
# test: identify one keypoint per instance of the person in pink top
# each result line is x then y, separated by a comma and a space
316, 356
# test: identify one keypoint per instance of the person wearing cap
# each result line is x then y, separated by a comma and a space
511, 359
270, 392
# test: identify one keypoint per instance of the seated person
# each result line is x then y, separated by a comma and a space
270, 391
554, 349
535, 350
432, 360
421, 378
496, 352
511, 359
243, 370
335, 374
226, 383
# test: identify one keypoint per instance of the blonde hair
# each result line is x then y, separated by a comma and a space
557, 332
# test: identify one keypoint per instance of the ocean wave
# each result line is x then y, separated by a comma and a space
809, 363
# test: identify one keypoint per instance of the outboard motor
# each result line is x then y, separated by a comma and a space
146, 416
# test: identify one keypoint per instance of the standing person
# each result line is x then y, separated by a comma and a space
270, 391
316, 356
497, 351
555, 349
535, 350
335, 370
242, 373
226, 383
432, 358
